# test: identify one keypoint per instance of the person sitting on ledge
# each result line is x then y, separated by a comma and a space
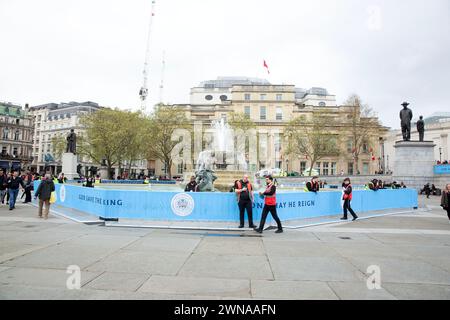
313, 185
191, 186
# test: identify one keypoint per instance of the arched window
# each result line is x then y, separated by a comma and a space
322, 104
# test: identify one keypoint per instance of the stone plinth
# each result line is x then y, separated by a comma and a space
414, 163
69, 165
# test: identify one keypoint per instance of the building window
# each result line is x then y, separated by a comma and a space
247, 112
333, 168
279, 115
16, 135
208, 97
180, 168
262, 113
247, 96
302, 166
365, 147
223, 97
350, 168
318, 167
15, 152
263, 96
278, 164
279, 97
325, 168
5, 133
365, 168
349, 146
322, 104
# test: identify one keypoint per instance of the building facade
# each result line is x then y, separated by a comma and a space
271, 108
16, 140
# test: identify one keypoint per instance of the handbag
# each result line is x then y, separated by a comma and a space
53, 197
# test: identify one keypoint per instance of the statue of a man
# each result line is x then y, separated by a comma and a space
421, 128
71, 142
405, 117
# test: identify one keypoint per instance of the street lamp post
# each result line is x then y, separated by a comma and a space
287, 165
440, 154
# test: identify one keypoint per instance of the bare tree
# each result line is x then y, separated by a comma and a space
363, 124
313, 138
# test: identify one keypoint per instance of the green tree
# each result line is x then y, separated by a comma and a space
312, 138
161, 126
239, 120
110, 136
59, 144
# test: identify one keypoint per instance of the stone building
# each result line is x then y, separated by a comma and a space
16, 137
271, 107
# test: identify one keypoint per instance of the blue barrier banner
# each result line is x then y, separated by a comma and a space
220, 206
442, 169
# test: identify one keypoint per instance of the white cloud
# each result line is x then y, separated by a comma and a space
94, 50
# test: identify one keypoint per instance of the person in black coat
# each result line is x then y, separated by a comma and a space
347, 195
14, 183
44, 192
313, 185
191, 186
3, 186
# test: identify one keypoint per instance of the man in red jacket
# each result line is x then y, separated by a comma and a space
270, 205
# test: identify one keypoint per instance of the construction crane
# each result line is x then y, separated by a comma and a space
143, 93
161, 85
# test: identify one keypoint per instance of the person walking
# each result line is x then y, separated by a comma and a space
3, 186
270, 205
14, 183
445, 199
44, 192
244, 193
28, 187
347, 194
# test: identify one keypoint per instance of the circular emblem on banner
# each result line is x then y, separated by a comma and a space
62, 193
182, 204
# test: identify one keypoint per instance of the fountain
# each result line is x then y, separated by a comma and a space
218, 169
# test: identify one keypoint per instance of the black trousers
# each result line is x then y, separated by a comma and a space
273, 212
448, 213
421, 136
347, 207
406, 132
246, 205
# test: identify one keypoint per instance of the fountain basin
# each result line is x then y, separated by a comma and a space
112, 203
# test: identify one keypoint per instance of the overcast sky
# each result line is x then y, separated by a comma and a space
387, 51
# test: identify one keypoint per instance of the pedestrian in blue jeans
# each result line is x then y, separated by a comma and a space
14, 182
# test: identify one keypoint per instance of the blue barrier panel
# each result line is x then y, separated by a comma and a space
442, 169
220, 206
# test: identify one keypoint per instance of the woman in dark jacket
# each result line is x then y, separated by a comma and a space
347, 195
44, 192
445, 199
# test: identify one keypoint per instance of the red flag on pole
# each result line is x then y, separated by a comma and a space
266, 66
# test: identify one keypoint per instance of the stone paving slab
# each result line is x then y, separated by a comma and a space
60, 257
197, 286
41, 277
150, 262
314, 269
295, 249
233, 246
359, 291
118, 281
169, 244
403, 270
227, 266
406, 291
292, 290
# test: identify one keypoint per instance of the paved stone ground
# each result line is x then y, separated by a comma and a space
322, 262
